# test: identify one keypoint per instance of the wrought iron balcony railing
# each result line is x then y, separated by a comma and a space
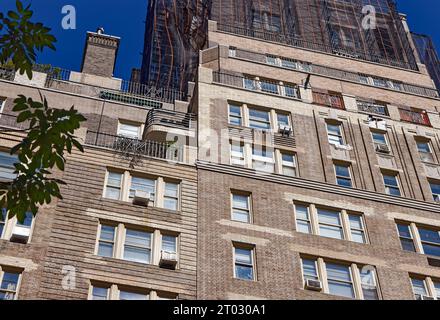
170, 118
372, 108
417, 117
135, 147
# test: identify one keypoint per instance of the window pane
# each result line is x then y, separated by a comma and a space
125, 295
7, 165
283, 119
107, 233
423, 147
309, 269
435, 189
129, 130
240, 201
331, 232
243, 256
344, 182
334, 129
171, 189
105, 249
138, 238
240, 215
404, 230
390, 180
338, 272
244, 272
368, 283
137, 246
358, 236
429, 235
355, 221
171, 204
142, 184
136, 254
339, 280
430, 249
329, 217
304, 226
302, 212
379, 138
418, 287
169, 243
10, 281
437, 289
100, 293
407, 245
341, 289
112, 193
342, 171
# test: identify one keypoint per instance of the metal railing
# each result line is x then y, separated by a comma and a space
293, 40
261, 85
170, 118
417, 117
135, 147
372, 108
331, 100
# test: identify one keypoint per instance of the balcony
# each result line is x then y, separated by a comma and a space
416, 117
373, 108
329, 99
259, 85
132, 148
161, 123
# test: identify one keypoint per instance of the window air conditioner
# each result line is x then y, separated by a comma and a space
141, 198
168, 259
314, 285
383, 148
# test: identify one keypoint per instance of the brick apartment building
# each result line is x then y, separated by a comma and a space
297, 169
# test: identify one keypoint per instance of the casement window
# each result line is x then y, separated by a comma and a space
421, 239
288, 163
100, 293
7, 168
241, 207
347, 280
334, 132
235, 115
237, 153
9, 283
435, 190
244, 263
114, 186
120, 292
129, 130
259, 119
391, 182
123, 187
119, 241
171, 196
425, 288
107, 238
263, 159
425, 151
137, 246
343, 175
337, 224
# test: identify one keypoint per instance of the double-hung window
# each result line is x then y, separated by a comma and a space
369, 284
241, 207
334, 132
379, 140
357, 229
144, 185
303, 221
237, 153
391, 183
263, 159
435, 189
343, 175
288, 164
425, 151
171, 196
106, 243
283, 120
114, 186
330, 224
309, 269
169, 244
235, 115
340, 282
259, 119
100, 293
244, 263
137, 246
419, 288
9, 284
3, 219
7, 168
430, 239
406, 237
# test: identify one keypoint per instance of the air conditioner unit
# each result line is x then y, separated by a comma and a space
383, 148
168, 259
285, 130
314, 285
20, 234
141, 198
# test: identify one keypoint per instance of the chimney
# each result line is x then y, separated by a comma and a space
100, 54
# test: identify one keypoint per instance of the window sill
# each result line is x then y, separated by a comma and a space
128, 203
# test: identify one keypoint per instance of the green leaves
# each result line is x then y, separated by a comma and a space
20, 39
50, 134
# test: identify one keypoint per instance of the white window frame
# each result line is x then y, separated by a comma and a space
176, 198
340, 136
131, 124
429, 283
240, 107
249, 205
350, 174
115, 238
435, 196
237, 158
264, 159
150, 247
251, 248
425, 155
399, 187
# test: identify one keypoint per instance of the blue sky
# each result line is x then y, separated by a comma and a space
126, 19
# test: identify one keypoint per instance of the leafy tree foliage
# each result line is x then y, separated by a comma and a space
50, 132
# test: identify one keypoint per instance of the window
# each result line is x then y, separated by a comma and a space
114, 185
9, 284
391, 184
303, 223
289, 63
3, 219
437, 289
237, 154
137, 246
169, 244
262, 159
379, 139
7, 168
364, 79
250, 84
244, 263
334, 132
106, 242
100, 293
272, 60
235, 116
241, 208
259, 119
128, 295
288, 164
430, 241
21, 232
357, 228
171, 196
341, 278
406, 238
143, 184
419, 288
283, 120
425, 151
379, 82
340, 282
343, 176
330, 224
129, 130
290, 91
435, 189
